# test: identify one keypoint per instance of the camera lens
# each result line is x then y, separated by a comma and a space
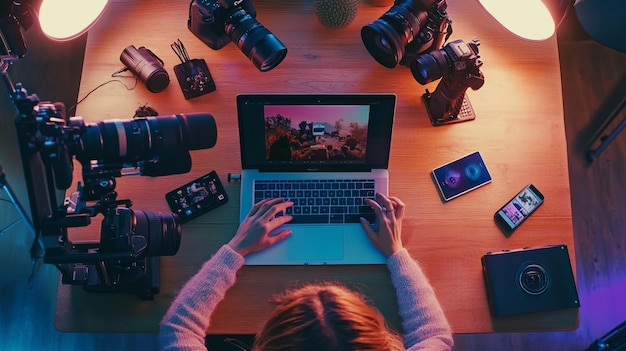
135, 234
385, 39
254, 40
430, 67
161, 230
534, 279
139, 139
384, 45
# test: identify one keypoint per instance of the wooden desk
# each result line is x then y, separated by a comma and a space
519, 130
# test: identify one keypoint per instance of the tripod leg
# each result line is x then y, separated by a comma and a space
37, 250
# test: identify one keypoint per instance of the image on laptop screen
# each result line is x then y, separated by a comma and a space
317, 132
311, 134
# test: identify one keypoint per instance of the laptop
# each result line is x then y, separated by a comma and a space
326, 153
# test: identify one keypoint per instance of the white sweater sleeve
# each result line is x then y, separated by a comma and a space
185, 323
424, 323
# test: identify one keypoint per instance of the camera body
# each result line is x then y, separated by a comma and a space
218, 22
529, 280
208, 17
456, 56
458, 64
408, 29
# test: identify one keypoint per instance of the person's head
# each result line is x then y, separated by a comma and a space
325, 316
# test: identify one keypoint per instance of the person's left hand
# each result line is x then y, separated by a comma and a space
253, 233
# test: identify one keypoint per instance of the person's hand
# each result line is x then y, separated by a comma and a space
253, 233
389, 212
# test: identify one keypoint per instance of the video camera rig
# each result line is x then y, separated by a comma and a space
125, 259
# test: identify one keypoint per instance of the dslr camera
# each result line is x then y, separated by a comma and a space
458, 64
409, 29
218, 22
456, 56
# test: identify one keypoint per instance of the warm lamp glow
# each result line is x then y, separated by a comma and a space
529, 19
67, 19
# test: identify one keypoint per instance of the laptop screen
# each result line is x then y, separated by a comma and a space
303, 132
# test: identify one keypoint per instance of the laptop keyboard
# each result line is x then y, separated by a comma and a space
321, 201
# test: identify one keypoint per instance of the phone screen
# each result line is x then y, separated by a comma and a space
197, 197
520, 207
462, 175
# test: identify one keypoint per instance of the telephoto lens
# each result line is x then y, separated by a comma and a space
145, 138
147, 67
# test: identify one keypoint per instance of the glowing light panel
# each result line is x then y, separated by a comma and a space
67, 19
528, 19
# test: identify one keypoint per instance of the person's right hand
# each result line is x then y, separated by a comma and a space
254, 232
389, 212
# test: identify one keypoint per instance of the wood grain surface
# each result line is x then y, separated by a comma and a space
519, 131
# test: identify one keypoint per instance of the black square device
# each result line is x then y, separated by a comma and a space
529, 280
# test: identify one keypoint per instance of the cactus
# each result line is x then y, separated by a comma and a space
336, 13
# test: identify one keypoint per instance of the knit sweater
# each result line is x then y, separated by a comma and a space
185, 323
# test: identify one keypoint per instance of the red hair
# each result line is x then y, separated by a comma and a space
325, 316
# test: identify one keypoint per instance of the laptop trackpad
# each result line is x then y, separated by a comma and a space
315, 244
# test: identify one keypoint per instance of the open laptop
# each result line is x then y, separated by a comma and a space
322, 152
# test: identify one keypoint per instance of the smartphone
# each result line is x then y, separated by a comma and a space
197, 197
511, 215
460, 176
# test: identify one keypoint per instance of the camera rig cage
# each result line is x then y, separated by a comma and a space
126, 258
42, 135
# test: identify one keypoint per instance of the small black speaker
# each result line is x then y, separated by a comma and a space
529, 280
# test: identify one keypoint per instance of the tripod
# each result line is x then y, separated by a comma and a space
13, 199
37, 249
